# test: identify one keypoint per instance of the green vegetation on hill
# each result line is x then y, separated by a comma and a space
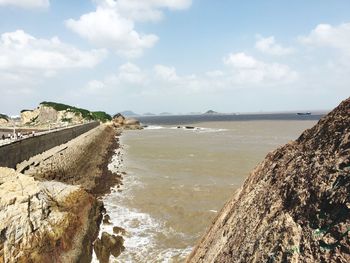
97, 115
101, 115
3, 116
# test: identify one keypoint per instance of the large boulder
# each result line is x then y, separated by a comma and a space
108, 245
118, 118
45, 221
294, 206
132, 124
119, 121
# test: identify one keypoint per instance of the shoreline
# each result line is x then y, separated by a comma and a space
108, 179
82, 161
81, 164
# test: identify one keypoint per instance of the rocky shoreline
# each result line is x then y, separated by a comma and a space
50, 212
294, 206
82, 161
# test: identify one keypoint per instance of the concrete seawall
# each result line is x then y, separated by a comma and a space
19, 151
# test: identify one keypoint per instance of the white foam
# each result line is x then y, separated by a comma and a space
153, 127
142, 229
204, 130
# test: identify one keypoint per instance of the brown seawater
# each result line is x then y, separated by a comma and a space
178, 179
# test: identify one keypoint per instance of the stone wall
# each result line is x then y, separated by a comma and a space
19, 151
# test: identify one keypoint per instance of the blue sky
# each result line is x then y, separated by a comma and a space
175, 55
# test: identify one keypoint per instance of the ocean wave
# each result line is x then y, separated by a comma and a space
142, 230
204, 130
154, 127
198, 129
185, 128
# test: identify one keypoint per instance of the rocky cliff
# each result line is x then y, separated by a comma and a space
294, 206
58, 113
119, 121
45, 221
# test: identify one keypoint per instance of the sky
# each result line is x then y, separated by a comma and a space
175, 56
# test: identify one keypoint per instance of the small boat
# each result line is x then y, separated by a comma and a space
303, 113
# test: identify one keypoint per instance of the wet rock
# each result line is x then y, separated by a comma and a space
106, 219
294, 206
108, 245
119, 230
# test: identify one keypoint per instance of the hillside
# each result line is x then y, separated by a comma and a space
294, 206
52, 112
86, 114
3, 116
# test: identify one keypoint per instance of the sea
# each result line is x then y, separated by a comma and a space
179, 173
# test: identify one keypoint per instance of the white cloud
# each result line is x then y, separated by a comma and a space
112, 24
241, 61
94, 86
269, 46
325, 35
25, 60
106, 28
246, 69
26, 3
19, 50
165, 73
243, 71
215, 73
130, 73
144, 10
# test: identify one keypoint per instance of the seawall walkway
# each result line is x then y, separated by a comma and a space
21, 150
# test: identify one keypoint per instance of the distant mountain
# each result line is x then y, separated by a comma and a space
129, 113
211, 112
149, 114
165, 113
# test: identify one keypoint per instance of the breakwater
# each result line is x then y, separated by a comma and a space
19, 151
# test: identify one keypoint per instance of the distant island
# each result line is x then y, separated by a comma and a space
211, 112
129, 113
